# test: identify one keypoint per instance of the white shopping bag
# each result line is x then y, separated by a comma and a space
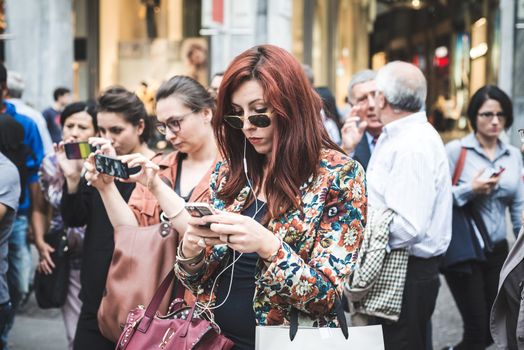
313, 338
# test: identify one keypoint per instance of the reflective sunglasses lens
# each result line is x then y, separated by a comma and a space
260, 120
234, 122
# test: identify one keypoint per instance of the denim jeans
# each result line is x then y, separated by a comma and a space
19, 269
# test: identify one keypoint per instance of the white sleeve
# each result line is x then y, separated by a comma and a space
410, 193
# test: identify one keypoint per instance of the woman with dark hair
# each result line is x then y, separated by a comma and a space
184, 112
78, 121
124, 127
490, 184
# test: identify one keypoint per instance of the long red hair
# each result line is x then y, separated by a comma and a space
299, 131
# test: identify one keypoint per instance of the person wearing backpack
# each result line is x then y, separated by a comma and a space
19, 273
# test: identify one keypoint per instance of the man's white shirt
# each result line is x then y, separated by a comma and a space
409, 173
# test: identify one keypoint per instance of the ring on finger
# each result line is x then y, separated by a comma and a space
202, 241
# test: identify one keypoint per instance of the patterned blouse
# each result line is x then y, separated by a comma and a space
51, 181
320, 244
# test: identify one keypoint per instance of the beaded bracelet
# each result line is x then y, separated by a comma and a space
193, 261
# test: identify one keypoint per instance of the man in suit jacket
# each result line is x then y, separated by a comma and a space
362, 127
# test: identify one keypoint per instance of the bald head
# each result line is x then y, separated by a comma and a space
403, 85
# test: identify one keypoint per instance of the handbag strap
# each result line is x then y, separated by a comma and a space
155, 302
341, 317
459, 166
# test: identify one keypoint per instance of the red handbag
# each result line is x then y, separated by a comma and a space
180, 329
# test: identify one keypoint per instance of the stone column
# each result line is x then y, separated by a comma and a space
247, 24
42, 46
279, 29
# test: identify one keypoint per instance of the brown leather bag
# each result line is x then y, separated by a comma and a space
141, 259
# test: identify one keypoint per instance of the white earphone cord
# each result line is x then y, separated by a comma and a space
207, 308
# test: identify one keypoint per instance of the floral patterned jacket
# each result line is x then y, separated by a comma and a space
320, 244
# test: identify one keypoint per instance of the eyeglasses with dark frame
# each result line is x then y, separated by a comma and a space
260, 120
172, 123
491, 115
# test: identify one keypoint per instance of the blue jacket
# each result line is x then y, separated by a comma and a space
34, 143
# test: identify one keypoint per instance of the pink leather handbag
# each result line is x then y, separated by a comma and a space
180, 329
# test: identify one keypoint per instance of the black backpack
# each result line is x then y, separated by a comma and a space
13, 147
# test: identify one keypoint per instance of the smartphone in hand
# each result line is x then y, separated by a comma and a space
490, 173
113, 166
199, 209
498, 172
78, 150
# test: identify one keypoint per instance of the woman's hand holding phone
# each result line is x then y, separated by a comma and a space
483, 182
239, 232
94, 178
103, 146
71, 168
147, 175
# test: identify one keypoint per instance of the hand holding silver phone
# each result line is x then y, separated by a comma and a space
199, 209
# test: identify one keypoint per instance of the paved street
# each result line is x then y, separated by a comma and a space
44, 330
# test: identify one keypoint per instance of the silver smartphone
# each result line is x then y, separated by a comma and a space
199, 209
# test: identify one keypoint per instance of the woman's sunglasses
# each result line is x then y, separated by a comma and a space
260, 120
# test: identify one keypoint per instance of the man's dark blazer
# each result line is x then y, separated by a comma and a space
362, 152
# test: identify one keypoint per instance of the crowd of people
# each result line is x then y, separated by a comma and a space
292, 190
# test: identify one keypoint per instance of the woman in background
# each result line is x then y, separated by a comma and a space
490, 191
78, 121
124, 125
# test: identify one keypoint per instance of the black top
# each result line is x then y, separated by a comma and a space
181, 158
236, 317
511, 291
85, 207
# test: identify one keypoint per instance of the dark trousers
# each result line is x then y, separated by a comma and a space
474, 288
413, 329
88, 336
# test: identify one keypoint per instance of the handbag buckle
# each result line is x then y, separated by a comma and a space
170, 332
165, 229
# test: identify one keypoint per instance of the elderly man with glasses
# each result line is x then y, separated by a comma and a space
362, 127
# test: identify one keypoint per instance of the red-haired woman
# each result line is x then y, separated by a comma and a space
291, 206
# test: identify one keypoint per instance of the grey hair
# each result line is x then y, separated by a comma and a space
403, 85
15, 84
360, 77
